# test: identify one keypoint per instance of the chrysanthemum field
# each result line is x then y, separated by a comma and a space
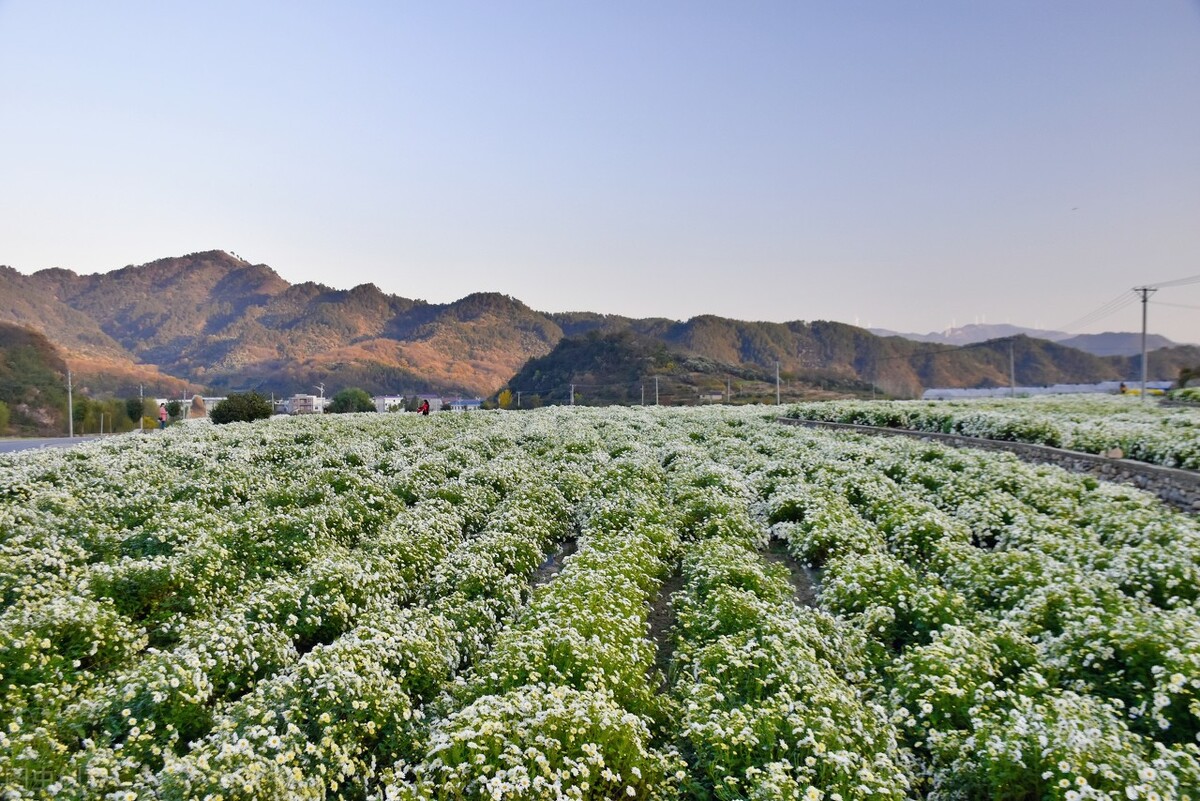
1143, 430
588, 604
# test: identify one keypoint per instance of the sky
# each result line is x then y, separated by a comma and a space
904, 165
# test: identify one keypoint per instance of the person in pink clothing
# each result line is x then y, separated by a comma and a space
162, 415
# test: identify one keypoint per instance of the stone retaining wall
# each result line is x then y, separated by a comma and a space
1179, 488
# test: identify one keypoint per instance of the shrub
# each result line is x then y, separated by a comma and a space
352, 400
242, 407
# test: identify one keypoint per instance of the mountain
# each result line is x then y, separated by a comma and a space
1112, 343
1106, 344
33, 381
711, 356
623, 366
214, 321
975, 332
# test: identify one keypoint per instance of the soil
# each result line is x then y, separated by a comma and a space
806, 582
662, 621
554, 562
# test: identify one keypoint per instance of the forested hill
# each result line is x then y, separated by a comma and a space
33, 385
214, 321
834, 360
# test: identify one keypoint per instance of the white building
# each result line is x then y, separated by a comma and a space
388, 403
465, 405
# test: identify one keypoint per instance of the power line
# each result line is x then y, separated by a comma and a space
1120, 302
1194, 279
1105, 310
1145, 292
1173, 305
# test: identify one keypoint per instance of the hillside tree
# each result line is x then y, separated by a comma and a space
242, 407
352, 399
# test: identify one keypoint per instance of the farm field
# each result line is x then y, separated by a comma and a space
641, 603
1145, 431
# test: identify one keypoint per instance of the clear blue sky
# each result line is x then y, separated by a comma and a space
903, 164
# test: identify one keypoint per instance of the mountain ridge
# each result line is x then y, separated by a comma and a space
213, 320
1109, 343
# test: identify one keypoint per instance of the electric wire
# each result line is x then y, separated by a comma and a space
1172, 305
1193, 279
1096, 315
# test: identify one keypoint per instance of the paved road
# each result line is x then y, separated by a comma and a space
14, 445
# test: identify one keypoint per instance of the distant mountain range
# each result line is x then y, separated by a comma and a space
211, 321
1107, 344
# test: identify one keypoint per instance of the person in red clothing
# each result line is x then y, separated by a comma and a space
162, 415
424, 407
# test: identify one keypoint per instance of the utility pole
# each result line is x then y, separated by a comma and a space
776, 383
643, 393
518, 399
572, 394
70, 409
142, 414
655, 390
1146, 292
1012, 369
727, 392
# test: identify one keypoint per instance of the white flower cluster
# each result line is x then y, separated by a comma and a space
344, 608
564, 704
1148, 432
1012, 606
769, 705
110, 718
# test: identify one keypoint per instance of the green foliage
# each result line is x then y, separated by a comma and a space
242, 407
137, 408
351, 400
32, 381
93, 416
612, 365
1187, 394
4, 415
174, 409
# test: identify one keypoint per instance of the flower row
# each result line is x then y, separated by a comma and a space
1168, 436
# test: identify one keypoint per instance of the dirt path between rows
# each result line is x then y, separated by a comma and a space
554, 562
806, 582
662, 622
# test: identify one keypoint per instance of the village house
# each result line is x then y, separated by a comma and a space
306, 404
389, 403
465, 405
